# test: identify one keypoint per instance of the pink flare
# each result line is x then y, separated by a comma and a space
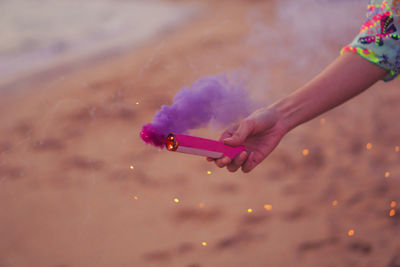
205, 147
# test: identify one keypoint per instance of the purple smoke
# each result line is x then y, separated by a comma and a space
212, 98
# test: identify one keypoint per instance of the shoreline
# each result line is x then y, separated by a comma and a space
68, 54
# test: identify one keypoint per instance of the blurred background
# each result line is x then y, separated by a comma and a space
78, 187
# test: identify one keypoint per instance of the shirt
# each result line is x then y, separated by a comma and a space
379, 37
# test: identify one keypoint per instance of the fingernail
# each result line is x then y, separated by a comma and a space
228, 139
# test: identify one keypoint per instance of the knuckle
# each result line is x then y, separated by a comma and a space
236, 135
248, 123
219, 164
239, 161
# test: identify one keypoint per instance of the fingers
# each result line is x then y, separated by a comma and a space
238, 137
228, 132
222, 162
237, 162
232, 165
252, 161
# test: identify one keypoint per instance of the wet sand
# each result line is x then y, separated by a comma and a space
69, 197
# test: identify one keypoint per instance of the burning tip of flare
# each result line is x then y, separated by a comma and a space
249, 210
176, 200
171, 144
204, 244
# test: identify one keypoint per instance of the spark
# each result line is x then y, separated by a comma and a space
131, 167
249, 210
137, 103
393, 204
392, 212
204, 244
387, 174
209, 172
322, 121
201, 205
176, 200
305, 152
397, 148
350, 232
135, 197
267, 207
369, 146
334, 203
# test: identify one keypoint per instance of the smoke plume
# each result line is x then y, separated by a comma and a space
214, 99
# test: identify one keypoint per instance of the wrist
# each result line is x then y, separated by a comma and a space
284, 111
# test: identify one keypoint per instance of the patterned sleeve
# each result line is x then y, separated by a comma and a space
379, 38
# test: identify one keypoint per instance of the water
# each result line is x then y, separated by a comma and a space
36, 35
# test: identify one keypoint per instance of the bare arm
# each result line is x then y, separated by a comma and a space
261, 132
346, 77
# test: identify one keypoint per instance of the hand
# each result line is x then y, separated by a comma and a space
259, 133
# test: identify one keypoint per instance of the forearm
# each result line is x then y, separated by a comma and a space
345, 78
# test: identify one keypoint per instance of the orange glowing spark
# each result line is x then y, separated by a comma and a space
267, 207
369, 146
135, 197
397, 149
137, 103
249, 210
201, 205
209, 172
334, 203
131, 167
176, 200
392, 212
350, 232
387, 174
322, 121
204, 244
305, 152
393, 204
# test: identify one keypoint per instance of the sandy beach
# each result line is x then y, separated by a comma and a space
79, 188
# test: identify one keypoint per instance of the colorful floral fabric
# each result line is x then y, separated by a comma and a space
379, 38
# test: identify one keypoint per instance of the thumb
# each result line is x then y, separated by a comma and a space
239, 136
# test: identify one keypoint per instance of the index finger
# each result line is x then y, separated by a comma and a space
228, 132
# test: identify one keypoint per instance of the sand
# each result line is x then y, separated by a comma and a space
79, 188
